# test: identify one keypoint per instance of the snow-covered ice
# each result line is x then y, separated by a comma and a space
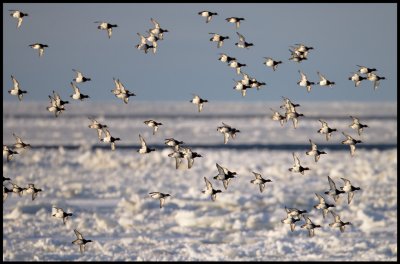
108, 191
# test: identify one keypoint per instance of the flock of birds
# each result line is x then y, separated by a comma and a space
299, 52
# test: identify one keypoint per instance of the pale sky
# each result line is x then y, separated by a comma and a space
343, 35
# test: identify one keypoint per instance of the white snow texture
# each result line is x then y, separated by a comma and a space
107, 191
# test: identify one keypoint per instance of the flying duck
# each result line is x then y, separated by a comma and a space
121, 92
160, 196
98, 126
288, 105
348, 188
18, 15
39, 47
240, 86
293, 115
291, 221
333, 191
356, 78
106, 26
351, 142
189, 155
16, 90
374, 78
228, 131
237, 65
171, 142
32, 190
304, 82
323, 205
80, 241
209, 190
144, 149
145, 47
218, 38
19, 143
109, 139
325, 129
365, 70
117, 89
224, 175
208, 15
338, 223
357, 125
256, 84
151, 38
235, 20
58, 101
296, 166
323, 81
8, 153
314, 151
55, 106
242, 42
17, 189
153, 124
77, 95
259, 180
309, 225
299, 52
269, 62
199, 101
294, 212
157, 30
246, 80
142, 41
59, 213
79, 77
178, 155
278, 117
225, 58
298, 58
302, 48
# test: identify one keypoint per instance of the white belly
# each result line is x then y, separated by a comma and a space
14, 92
323, 83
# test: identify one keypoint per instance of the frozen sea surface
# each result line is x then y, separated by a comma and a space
107, 191
182, 121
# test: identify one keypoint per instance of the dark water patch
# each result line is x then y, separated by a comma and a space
186, 116
289, 147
